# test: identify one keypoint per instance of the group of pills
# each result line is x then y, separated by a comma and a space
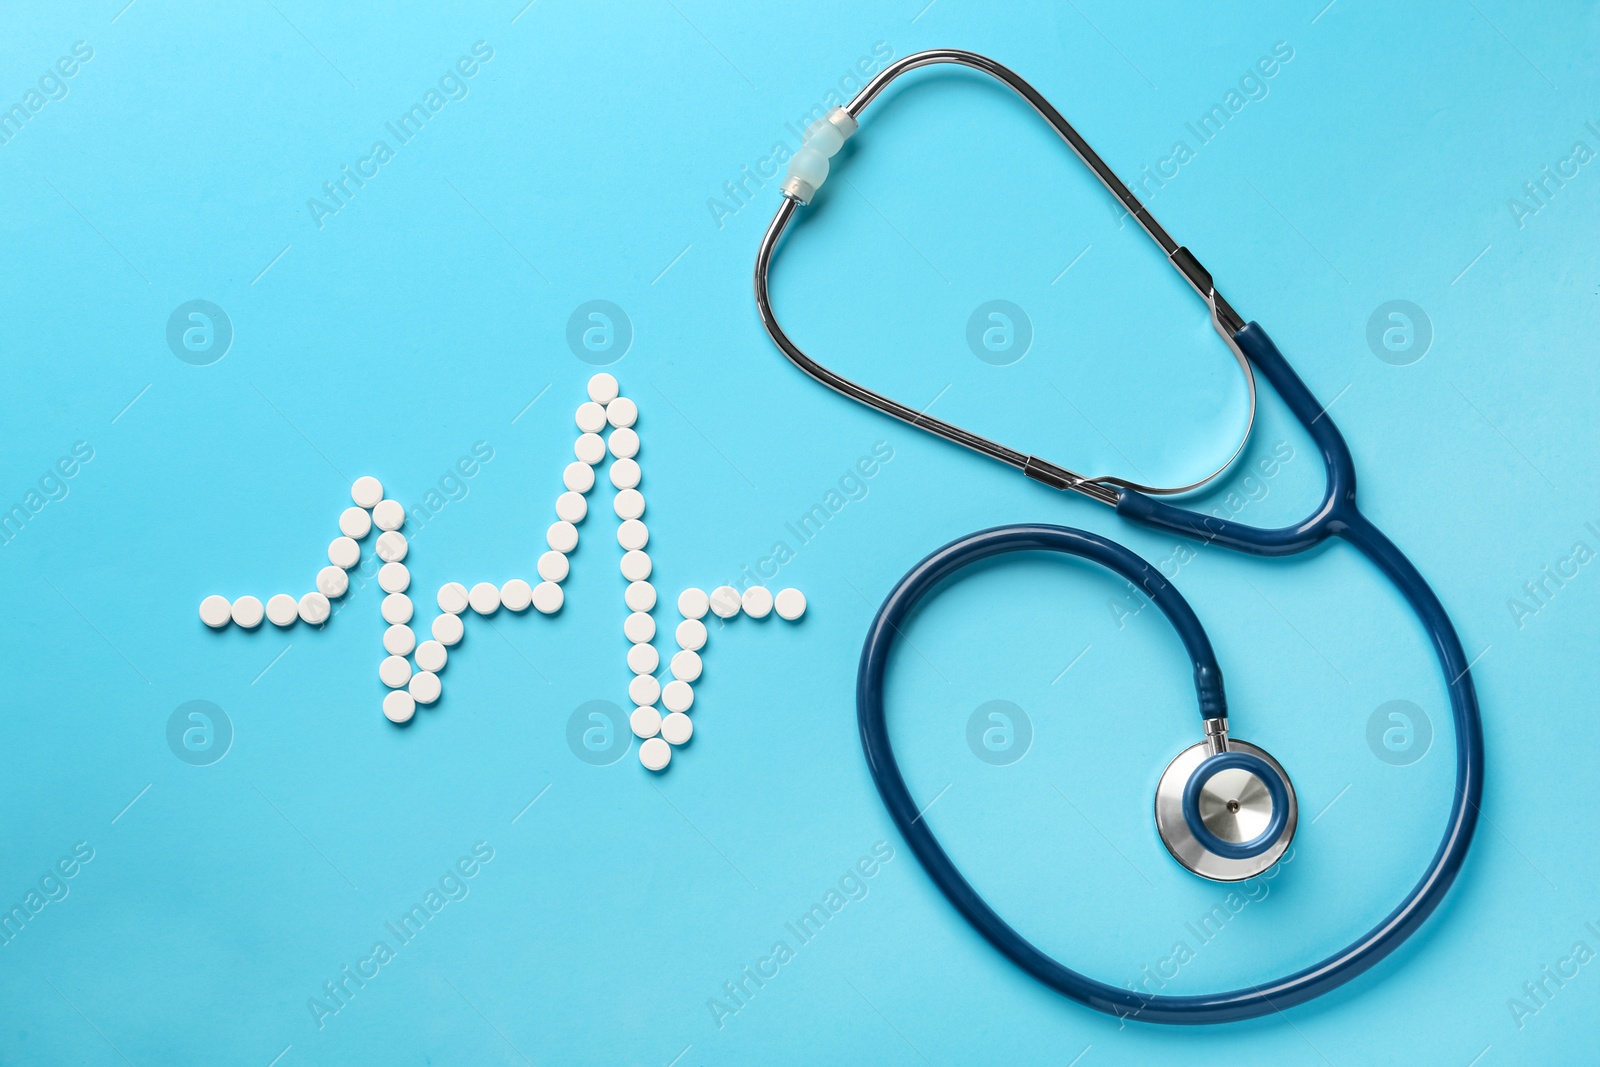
419, 684
660, 734
344, 552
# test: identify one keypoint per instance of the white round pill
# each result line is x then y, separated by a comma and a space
629, 504
686, 665
572, 506
757, 601
633, 534
562, 536
646, 722
553, 566
676, 728
453, 598
396, 608
424, 687
333, 582
547, 597
644, 689
394, 671
622, 412
643, 659
431, 656
282, 610
247, 611
639, 596
624, 443
692, 603
314, 609
392, 546
725, 601
790, 604
394, 577
625, 474
215, 611
399, 706
639, 628
366, 491
677, 695
389, 515
635, 565
655, 754
399, 640
589, 448
579, 477
691, 634
355, 522
603, 388
344, 552
516, 595
591, 417
484, 598
447, 629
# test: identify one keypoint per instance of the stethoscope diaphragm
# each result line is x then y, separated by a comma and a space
1226, 815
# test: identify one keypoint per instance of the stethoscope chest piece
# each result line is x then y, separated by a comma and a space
1226, 815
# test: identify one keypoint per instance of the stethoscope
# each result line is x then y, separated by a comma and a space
1224, 808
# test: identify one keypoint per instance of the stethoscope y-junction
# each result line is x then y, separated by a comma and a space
1225, 809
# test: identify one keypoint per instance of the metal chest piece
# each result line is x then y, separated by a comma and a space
1225, 809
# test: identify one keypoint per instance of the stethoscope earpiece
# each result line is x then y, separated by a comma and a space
1225, 809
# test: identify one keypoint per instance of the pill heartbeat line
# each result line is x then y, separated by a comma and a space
415, 680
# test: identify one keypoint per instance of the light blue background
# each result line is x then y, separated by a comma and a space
427, 314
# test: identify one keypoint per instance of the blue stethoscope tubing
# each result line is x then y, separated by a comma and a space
1336, 516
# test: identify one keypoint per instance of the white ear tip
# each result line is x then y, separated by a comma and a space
810, 166
824, 137
808, 169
